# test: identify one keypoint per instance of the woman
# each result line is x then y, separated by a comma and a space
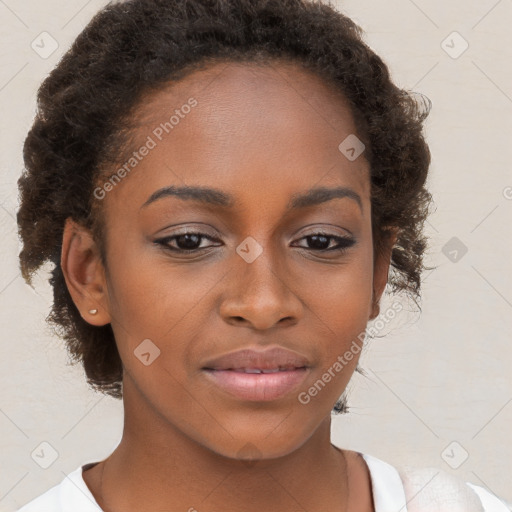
223, 186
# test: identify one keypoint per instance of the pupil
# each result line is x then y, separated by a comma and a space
191, 241
323, 239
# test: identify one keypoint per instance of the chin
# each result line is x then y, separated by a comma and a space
262, 438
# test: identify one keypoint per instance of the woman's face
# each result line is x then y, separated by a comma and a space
262, 268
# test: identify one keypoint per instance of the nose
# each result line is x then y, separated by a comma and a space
259, 294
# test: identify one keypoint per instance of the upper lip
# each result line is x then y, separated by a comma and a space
268, 359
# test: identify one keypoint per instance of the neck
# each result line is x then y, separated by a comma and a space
156, 464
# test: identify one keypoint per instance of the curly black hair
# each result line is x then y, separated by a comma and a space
135, 47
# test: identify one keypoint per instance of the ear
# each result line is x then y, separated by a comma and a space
84, 273
381, 270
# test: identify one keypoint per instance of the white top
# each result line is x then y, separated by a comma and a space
390, 487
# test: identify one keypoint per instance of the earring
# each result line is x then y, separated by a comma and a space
93, 311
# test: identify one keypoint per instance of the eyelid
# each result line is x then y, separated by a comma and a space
349, 241
195, 229
203, 230
339, 248
327, 232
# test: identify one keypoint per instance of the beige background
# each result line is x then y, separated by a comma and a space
435, 378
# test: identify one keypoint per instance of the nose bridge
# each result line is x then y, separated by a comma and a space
264, 273
259, 291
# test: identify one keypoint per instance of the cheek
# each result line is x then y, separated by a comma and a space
154, 311
151, 295
342, 308
342, 298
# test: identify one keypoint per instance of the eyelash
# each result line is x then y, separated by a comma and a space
344, 243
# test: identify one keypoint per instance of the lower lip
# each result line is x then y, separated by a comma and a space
258, 387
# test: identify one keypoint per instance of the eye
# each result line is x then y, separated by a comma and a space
187, 242
320, 242
190, 241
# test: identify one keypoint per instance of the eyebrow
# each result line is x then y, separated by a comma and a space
312, 197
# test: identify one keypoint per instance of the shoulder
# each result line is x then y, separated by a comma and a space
50, 500
432, 490
70, 495
413, 489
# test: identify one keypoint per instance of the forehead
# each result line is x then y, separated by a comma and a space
266, 128
218, 73
255, 92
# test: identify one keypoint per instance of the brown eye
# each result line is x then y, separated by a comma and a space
322, 242
185, 242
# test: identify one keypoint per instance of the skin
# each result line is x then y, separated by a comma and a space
261, 134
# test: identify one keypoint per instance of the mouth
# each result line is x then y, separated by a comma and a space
257, 370
255, 384
256, 375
